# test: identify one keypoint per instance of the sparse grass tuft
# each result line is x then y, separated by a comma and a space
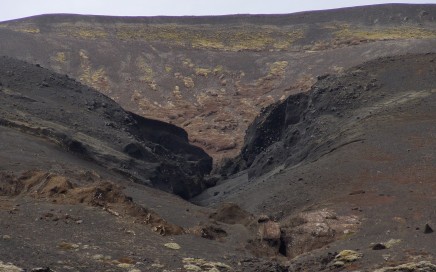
146, 70
89, 33
202, 71
33, 30
189, 82
27, 28
95, 78
278, 68
168, 69
209, 44
379, 33
81, 31
60, 57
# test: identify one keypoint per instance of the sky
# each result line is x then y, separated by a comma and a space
13, 9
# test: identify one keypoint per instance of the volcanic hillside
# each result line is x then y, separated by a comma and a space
325, 120
352, 160
56, 109
213, 75
340, 178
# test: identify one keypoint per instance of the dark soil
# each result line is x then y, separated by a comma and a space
372, 197
82, 121
339, 178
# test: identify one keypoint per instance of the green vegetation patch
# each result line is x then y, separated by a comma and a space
383, 33
60, 57
32, 30
233, 38
202, 71
81, 31
23, 28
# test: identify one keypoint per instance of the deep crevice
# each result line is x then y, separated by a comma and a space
282, 247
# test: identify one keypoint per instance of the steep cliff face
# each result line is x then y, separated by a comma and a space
85, 122
213, 75
308, 126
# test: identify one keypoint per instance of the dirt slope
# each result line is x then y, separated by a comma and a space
360, 198
212, 75
82, 121
350, 164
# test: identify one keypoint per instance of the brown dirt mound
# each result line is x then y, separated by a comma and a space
45, 185
231, 213
59, 189
209, 231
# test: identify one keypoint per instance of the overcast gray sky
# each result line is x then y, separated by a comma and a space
12, 9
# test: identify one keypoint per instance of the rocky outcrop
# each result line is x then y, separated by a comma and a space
85, 122
310, 125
